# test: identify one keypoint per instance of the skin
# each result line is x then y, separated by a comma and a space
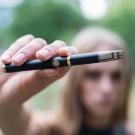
102, 90
16, 88
27, 84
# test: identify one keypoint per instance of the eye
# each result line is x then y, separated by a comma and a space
93, 75
116, 76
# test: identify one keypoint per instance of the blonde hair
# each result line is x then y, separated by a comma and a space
70, 113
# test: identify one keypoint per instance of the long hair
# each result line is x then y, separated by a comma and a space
70, 113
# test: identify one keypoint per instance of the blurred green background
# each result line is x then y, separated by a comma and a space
62, 19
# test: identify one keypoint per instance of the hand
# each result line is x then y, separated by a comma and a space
16, 88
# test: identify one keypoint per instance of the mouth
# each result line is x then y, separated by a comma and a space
105, 103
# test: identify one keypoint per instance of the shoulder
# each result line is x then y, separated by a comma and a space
130, 128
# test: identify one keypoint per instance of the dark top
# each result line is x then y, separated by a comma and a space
120, 130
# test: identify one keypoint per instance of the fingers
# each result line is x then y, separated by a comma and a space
26, 48
49, 51
65, 51
22, 50
7, 55
54, 49
28, 51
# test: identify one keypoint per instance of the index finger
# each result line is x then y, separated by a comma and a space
19, 43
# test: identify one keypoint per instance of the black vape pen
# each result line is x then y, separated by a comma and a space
76, 59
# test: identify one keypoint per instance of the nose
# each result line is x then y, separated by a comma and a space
106, 85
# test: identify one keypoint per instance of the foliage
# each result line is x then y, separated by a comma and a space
121, 19
49, 19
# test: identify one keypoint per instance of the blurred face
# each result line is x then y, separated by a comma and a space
102, 88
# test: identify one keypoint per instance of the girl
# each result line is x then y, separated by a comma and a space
95, 96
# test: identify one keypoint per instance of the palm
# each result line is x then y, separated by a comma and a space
16, 88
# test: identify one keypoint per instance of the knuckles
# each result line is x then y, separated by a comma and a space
29, 45
60, 42
54, 47
39, 41
25, 37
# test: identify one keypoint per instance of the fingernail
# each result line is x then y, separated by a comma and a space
20, 58
65, 51
6, 57
45, 54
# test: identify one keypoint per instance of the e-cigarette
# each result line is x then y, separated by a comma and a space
72, 60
